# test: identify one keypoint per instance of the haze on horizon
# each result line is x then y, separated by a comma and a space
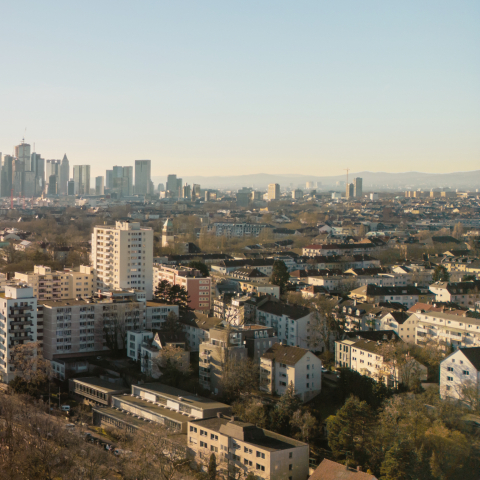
223, 88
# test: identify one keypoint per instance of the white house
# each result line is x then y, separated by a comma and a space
282, 365
460, 375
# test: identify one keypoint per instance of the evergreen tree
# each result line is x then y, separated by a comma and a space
201, 267
212, 467
280, 275
440, 274
173, 295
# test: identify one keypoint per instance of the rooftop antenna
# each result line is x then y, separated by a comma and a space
24, 134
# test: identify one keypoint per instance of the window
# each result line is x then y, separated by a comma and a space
213, 437
260, 454
466, 372
290, 455
450, 379
203, 444
449, 369
204, 433
290, 467
213, 448
247, 450
260, 467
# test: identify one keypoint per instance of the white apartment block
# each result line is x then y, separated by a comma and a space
157, 313
18, 326
447, 330
291, 323
59, 285
122, 256
460, 375
244, 447
282, 365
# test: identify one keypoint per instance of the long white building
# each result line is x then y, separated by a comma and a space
122, 256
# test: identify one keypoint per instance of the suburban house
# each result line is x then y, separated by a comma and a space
406, 295
283, 365
244, 447
460, 376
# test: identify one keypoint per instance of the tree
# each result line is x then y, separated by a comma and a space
212, 467
171, 323
240, 377
306, 424
201, 267
286, 406
251, 410
350, 429
280, 275
468, 278
440, 274
458, 231
173, 295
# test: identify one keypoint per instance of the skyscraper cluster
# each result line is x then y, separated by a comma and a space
27, 174
355, 189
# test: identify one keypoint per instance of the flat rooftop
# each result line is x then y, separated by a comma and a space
98, 383
187, 398
154, 408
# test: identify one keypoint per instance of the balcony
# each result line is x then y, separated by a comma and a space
23, 307
16, 330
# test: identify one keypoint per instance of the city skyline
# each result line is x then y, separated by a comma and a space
212, 88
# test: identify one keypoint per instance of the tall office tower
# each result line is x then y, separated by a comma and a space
18, 311
122, 256
7, 175
18, 170
99, 186
52, 168
38, 166
349, 190
22, 152
161, 187
81, 177
52, 185
29, 185
127, 174
71, 187
273, 191
357, 187
117, 172
196, 191
143, 170
109, 179
187, 192
172, 185
179, 187
64, 175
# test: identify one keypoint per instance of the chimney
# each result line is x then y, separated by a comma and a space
359, 468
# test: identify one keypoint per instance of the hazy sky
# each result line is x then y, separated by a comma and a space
231, 87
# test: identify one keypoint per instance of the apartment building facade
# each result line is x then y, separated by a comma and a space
59, 285
460, 376
291, 323
122, 256
198, 287
465, 294
231, 229
283, 365
447, 330
18, 326
83, 327
243, 448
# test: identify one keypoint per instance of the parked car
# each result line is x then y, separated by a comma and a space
65, 408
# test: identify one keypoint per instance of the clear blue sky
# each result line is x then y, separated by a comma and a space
231, 87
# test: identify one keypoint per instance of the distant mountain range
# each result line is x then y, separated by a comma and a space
371, 180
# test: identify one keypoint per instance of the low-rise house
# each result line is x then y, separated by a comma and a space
244, 447
282, 365
402, 323
460, 376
